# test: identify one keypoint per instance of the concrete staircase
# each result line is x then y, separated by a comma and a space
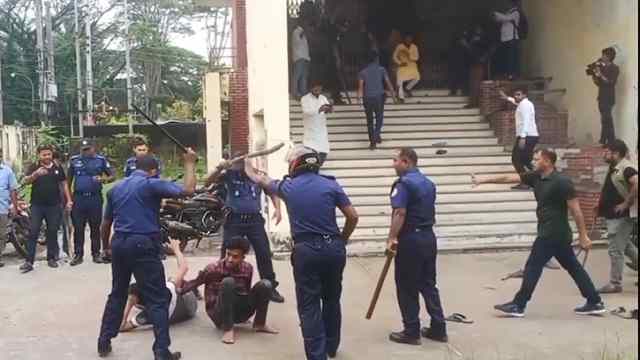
492, 216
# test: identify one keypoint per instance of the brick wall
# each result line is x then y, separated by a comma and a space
552, 125
239, 81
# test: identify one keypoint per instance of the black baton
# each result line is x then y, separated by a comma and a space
165, 132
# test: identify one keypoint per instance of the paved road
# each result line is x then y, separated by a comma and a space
55, 314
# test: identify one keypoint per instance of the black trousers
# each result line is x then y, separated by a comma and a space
521, 158
86, 209
608, 134
416, 275
234, 309
545, 249
374, 110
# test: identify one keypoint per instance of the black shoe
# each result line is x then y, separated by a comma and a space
428, 333
591, 309
1, 264
169, 356
276, 297
106, 259
104, 349
52, 264
97, 259
372, 146
401, 101
511, 310
409, 93
402, 338
379, 141
77, 260
521, 187
26, 267
332, 354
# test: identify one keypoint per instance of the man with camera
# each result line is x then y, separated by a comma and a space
605, 75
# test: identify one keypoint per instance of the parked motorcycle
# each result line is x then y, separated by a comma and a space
19, 229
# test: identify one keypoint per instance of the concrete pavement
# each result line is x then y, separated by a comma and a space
55, 314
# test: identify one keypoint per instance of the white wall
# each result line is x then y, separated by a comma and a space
568, 34
268, 81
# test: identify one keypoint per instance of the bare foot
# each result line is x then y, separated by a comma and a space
265, 330
229, 337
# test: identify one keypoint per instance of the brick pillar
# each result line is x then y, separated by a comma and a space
239, 81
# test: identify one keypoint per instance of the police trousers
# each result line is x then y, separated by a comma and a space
318, 265
252, 227
415, 275
138, 255
86, 209
543, 250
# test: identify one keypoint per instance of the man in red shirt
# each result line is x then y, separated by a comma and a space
229, 297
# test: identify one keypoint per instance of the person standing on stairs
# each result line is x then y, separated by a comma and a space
527, 135
315, 108
371, 89
406, 57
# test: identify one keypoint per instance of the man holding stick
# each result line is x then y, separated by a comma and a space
556, 195
319, 254
411, 237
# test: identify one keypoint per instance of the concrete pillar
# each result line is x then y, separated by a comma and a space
213, 116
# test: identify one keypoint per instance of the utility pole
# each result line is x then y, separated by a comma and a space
89, 54
42, 79
1, 97
78, 72
128, 67
51, 68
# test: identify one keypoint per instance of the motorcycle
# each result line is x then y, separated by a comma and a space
19, 229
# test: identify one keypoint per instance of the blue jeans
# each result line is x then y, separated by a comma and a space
301, 77
52, 215
318, 266
416, 275
138, 255
374, 106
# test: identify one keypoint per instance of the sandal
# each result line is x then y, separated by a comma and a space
459, 318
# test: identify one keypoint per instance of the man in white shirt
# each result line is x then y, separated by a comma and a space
301, 61
315, 108
527, 135
510, 22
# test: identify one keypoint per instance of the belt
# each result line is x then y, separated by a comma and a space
238, 218
310, 237
86, 194
416, 228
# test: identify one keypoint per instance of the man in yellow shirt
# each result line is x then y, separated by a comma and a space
406, 57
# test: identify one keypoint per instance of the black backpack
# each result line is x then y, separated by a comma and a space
523, 26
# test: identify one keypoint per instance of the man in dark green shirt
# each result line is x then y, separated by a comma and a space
556, 196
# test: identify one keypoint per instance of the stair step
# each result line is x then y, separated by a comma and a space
428, 170
423, 152
389, 121
487, 207
439, 180
417, 99
455, 219
374, 190
464, 199
394, 144
418, 93
467, 232
400, 113
411, 136
384, 163
390, 108
394, 128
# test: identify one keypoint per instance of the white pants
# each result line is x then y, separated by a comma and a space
401, 88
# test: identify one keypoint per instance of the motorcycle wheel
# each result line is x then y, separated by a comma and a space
19, 246
211, 223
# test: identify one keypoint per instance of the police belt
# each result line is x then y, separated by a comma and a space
86, 194
311, 238
411, 228
239, 218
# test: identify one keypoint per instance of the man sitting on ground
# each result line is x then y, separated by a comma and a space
182, 306
229, 297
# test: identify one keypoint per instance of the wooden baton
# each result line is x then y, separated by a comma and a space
256, 154
376, 293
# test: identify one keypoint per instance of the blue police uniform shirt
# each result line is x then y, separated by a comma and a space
131, 165
85, 169
311, 201
417, 194
243, 195
134, 203
8, 184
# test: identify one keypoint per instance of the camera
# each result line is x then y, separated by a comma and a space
591, 68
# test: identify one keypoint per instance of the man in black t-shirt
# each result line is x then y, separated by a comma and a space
555, 195
47, 180
605, 76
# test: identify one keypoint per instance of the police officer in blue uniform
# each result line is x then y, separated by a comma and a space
244, 199
140, 149
133, 208
411, 237
87, 172
319, 255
